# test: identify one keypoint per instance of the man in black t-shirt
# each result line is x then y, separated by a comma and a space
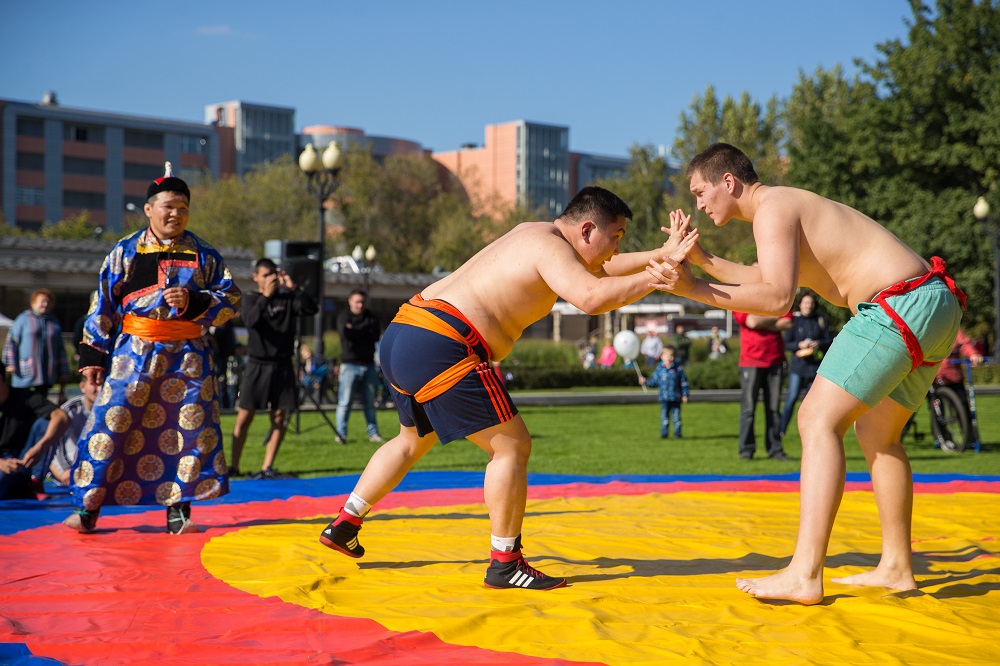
271, 316
359, 331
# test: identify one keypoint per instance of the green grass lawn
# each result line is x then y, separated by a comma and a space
607, 439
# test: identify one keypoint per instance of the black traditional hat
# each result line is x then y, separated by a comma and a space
168, 183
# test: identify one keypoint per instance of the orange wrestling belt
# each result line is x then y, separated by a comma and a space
413, 315
160, 330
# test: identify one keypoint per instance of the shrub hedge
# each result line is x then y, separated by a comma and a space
543, 364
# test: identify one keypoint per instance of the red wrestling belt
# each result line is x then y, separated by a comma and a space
938, 270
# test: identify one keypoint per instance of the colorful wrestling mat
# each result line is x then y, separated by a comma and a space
651, 563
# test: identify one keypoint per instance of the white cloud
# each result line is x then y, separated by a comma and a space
215, 30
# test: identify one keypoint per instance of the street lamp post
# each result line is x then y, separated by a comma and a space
365, 261
322, 181
992, 229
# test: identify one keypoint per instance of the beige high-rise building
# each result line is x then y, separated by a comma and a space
520, 162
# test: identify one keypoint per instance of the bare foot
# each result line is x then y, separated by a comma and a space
784, 585
881, 577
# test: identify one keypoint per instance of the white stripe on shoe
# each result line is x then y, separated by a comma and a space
521, 579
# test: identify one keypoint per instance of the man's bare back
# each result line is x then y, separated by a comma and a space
514, 281
844, 255
499, 289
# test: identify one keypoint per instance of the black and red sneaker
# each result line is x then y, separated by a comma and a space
342, 535
509, 570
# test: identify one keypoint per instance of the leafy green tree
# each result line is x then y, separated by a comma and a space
828, 136
459, 233
915, 138
391, 206
408, 209
758, 131
271, 201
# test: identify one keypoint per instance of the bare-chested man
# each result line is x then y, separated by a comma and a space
436, 355
906, 316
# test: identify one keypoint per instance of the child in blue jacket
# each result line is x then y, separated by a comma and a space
669, 377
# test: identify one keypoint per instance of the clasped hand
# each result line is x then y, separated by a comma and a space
672, 273
176, 297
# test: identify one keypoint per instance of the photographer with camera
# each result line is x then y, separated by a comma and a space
271, 317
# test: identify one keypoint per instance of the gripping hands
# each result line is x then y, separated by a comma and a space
672, 273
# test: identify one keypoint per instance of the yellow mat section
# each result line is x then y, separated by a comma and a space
651, 580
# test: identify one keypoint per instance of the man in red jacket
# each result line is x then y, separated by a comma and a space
762, 370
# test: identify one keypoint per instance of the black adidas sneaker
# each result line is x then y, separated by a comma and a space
342, 535
509, 570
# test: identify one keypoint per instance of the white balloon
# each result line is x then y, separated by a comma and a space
627, 345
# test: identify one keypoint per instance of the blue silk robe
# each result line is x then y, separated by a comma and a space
154, 436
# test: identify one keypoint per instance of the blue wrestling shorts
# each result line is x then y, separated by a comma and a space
415, 357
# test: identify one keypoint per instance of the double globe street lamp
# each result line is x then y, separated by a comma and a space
991, 229
365, 261
321, 172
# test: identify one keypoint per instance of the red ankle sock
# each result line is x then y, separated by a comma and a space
345, 515
505, 555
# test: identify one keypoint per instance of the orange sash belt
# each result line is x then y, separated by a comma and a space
412, 315
160, 330
912, 344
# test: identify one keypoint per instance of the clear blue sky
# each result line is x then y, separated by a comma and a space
617, 72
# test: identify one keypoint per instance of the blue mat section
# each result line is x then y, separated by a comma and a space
18, 654
17, 515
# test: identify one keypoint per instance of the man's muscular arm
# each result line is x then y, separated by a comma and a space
559, 267
767, 289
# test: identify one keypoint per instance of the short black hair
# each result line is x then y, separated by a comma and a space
597, 204
719, 159
265, 263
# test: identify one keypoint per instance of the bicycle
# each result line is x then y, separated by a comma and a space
954, 425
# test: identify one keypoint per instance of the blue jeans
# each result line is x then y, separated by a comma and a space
670, 411
797, 384
753, 383
359, 380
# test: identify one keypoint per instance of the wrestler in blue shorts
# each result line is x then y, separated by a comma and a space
443, 384
412, 357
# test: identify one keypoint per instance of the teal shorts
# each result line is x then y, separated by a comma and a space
869, 359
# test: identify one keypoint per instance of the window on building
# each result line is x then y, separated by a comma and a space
83, 166
83, 133
194, 144
27, 126
78, 199
29, 196
146, 172
143, 139
30, 162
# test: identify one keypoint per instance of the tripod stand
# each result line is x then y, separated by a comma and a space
310, 393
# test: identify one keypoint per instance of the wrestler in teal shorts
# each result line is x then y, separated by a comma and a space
869, 359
